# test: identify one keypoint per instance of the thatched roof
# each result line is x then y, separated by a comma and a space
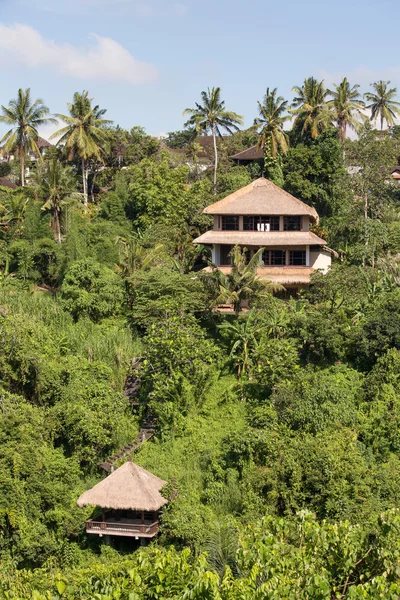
261, 197
261, 238
253, 153
42, 143
5, 182
128, 488
282, 275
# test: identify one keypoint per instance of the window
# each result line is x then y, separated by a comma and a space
224, 257
292, 223
297, 258
261, 223
274, 257
230, 223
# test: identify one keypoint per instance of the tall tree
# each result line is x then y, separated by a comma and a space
272, 137
310, 107
84, 134
57, 186
382, 104
347, 106
212, 116
25, 117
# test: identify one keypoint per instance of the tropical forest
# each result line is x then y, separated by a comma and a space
273, 423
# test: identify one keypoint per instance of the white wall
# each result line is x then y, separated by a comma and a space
320, 260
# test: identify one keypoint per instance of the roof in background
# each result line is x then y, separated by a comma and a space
253, 153
5, 182
130, 487
261, 197
261, 238
40, 142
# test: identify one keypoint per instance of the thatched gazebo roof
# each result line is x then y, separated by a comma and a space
128, 488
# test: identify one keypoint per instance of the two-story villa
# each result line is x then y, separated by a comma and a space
262, 215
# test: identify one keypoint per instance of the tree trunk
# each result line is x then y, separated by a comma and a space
85, 182
22, 163
381, 122
343, 132
57, 229
215, 160
365, 228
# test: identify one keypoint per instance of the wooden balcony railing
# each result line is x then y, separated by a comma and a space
122, 528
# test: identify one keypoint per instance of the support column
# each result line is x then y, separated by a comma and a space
280, 223
216, 254
307, 256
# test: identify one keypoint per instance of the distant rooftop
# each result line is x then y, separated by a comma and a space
253, 153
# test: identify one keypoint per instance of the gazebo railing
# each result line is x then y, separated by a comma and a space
122, 528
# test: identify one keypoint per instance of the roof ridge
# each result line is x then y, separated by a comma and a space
278, 194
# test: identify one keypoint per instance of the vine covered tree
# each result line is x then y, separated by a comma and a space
84, 134
382, 103
347, 107
25, 117
272, 137
310, 107
212, 116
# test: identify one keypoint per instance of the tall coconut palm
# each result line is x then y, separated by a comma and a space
57, 186
242, 282
84, 135
310, 107
382, 104
212, 116
346, 106
271, 121
25, 117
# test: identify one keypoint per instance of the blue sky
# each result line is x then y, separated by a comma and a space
147, 60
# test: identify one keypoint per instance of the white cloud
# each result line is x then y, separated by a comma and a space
181, 10
105, 59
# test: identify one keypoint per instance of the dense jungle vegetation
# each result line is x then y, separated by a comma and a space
277, 429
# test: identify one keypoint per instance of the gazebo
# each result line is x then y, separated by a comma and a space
130, 500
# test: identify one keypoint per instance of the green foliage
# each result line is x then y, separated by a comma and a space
315, 173
92, 290
160, 293
178, 363
276, 428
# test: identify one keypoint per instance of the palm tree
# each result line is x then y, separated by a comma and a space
84, 135
25, 117
271, 122
242, 282
347, 107
382, 103
212, 116
13, 205
57, 185
242, 335
134, 256
310, 107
